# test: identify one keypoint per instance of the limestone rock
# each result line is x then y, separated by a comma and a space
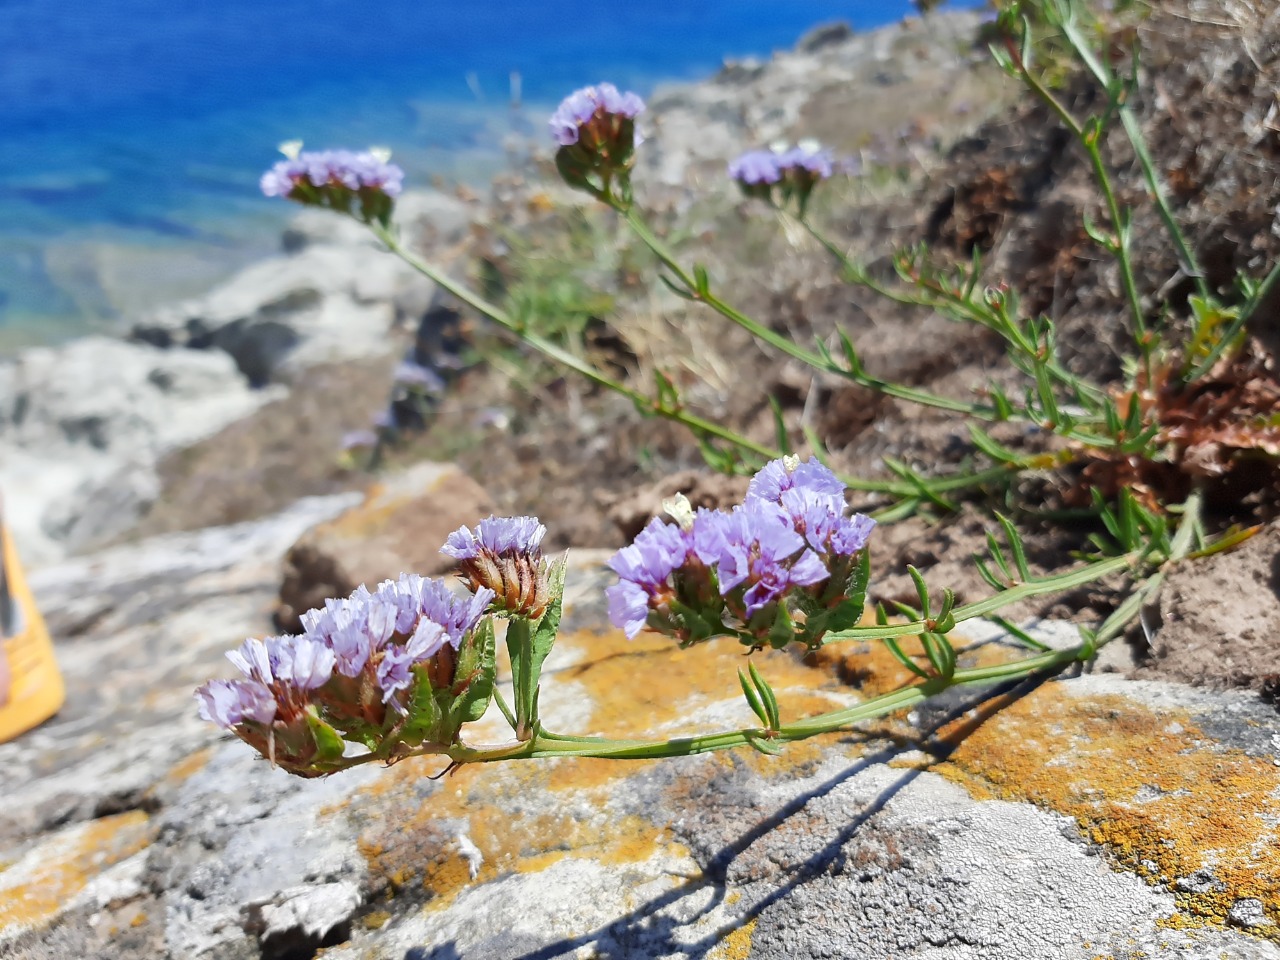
399, 528
696, 128
1056, 821
83, 424
336, 295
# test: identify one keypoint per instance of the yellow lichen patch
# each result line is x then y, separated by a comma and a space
737, 945
1163, 799
652, 683
869, 667
190, 765
46, 879
510, 813
524, 816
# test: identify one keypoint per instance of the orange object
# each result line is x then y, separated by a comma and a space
31, 687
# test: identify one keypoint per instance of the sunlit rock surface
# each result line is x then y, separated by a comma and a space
1081, 818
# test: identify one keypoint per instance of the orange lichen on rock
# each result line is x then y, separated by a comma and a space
737, 945
189, 765
44, 882
524, 816
1162, 798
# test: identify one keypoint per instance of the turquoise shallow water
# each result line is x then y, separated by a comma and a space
132, 133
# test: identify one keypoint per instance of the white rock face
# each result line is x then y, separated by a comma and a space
335, 295
83, 425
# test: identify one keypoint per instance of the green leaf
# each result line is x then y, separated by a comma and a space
779, 425
329, 746
764, 745
767, 697
993, 449
424, 717
680, 291
476, 667
1015, 547
701, 282
753, 699
922, 591
528, 645
895, 648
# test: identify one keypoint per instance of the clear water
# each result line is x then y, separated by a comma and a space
132, 133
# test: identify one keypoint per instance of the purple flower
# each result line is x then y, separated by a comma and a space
724, 572
229, 703
501, 536
756, 168
765, 551
590, 104
410, 374
365, 170
385, 420
416, 598
645, 569
504, 556
811, 158
778, 476
394, 672
354, 628
285, 664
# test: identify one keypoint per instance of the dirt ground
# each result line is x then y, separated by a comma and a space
1016, 188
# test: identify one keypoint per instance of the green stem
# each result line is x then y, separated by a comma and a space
695, 423
564, 357
980, 608
785, 344
1133, 129
1120, 249
951, 304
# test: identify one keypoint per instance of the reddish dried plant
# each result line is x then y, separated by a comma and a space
1215, 430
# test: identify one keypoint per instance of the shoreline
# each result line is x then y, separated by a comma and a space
84, 424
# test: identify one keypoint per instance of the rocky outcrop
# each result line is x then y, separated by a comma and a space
401, 525
1078, 818
694, 129
82, 426
335, 294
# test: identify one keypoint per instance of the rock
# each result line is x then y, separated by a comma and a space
1213, 618
1249, 912
132, 830
824, 35
82, 426
337, 295
817, 90
103, 508
399, 528
107, 395
323, 303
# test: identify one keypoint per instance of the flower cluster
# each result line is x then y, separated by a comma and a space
357, 672
596, 130
504, 556
592, 111
794, 171
784, 565
362, 184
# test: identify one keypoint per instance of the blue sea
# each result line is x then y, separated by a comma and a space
133, 132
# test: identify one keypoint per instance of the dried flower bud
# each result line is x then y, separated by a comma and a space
504, 554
